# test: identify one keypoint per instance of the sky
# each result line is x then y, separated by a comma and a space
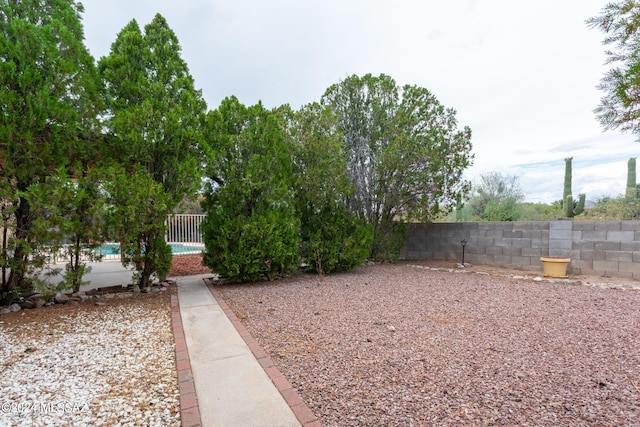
522, 75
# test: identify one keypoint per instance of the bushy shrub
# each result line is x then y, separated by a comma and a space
159, 259
334, 239
251, 230
136, 215
388, 240
241, 247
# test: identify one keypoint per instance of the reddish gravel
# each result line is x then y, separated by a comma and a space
396, 345
186, 265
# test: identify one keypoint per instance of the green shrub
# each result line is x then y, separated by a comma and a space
334, 240
387, 241
261, 245
137, 211
251, 230
160, 258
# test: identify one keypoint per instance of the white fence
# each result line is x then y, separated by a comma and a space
184, 228
184, 234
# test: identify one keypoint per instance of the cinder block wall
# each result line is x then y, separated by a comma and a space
604, 248
608, 248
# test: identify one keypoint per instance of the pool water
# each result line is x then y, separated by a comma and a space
176, 248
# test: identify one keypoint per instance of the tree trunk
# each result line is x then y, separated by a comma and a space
5, 241
75, 264
148, 266
20, 254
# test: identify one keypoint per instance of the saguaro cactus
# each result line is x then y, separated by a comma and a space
571, 209
632, 187
632, 195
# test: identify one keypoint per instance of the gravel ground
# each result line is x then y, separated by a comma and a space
187, 265
88, 365
400, 345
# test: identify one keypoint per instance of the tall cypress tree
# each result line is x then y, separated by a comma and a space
154, 115
48, 109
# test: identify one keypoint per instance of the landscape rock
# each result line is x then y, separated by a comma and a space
487, 349
47, 358
27, 305
14, 307
37, 301
61, 298
80, 296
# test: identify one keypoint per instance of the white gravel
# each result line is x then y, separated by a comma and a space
90, 366
397, 345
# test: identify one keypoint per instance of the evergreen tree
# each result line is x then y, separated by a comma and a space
135, 216
68, 219
49, 104
405, 155
154, 116
333, 238
251, 227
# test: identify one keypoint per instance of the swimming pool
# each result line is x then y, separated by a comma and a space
176, 248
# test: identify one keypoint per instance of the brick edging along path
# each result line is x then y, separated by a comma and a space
290, 395
189, 411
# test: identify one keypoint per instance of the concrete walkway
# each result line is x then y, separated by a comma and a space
232, 387
225, 378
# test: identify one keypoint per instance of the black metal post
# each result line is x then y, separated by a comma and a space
463, 242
